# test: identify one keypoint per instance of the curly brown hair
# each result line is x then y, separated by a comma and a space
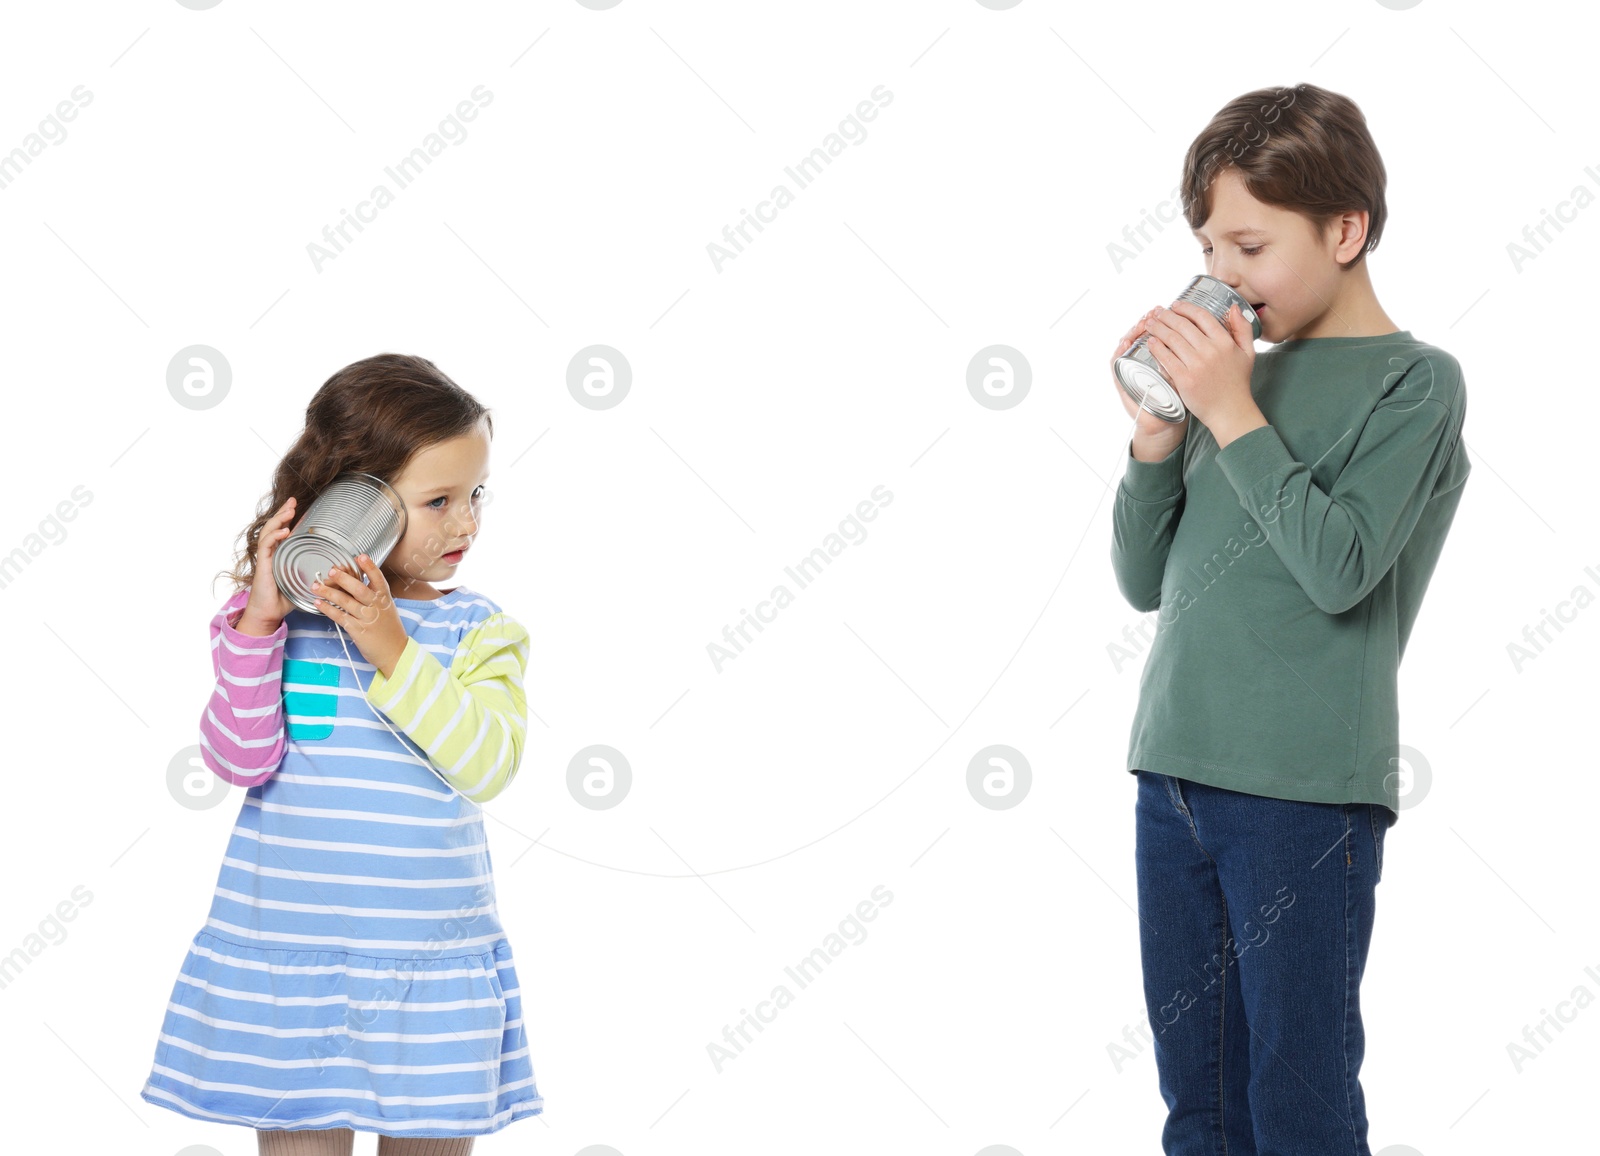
1303, 148
373, 416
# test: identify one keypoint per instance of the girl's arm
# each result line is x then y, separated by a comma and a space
242, 732
470, 719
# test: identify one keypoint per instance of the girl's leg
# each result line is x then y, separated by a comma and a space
425, 1145
305, 1141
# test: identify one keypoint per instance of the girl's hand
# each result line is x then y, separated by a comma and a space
366, 612
267, 607
1150, 432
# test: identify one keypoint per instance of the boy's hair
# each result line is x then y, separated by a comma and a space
372, 416
1302, 148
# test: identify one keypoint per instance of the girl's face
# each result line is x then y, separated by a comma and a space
442, 488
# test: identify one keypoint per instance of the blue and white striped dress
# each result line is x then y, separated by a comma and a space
353, 971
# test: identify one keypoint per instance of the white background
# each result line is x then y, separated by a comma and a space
768, 399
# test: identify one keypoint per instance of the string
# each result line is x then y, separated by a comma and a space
429, 764
422, 758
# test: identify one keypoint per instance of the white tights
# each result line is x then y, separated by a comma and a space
341, 1142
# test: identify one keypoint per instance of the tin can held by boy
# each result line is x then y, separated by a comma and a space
1141, 376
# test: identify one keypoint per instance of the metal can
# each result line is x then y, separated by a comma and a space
1141, 376
357, 514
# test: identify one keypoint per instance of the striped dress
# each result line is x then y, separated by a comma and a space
353, 971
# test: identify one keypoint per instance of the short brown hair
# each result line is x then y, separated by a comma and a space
1302, 148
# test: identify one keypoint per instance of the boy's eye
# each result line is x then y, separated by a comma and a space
1206, 250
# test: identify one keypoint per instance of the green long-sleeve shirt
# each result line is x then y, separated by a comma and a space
1288, 567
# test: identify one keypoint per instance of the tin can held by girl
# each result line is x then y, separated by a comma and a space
357, 514
1141, 376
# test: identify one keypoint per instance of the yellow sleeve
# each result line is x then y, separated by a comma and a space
471, 719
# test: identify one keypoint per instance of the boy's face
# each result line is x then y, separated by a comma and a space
442, 488
1270, 256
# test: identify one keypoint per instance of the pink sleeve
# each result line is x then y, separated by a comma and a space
242, 730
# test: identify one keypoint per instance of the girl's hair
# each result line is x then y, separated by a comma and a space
372, 416
1302, 148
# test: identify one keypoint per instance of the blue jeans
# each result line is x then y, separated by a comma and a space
1254, 919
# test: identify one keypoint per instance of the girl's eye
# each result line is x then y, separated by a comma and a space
434, 505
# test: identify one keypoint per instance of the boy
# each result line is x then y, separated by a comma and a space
1285, 531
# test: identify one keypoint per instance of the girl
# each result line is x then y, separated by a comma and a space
353, 973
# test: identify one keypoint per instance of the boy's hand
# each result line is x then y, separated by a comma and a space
1150, 432
1209, 365
368, 613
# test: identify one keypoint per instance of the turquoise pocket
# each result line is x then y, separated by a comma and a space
309, 711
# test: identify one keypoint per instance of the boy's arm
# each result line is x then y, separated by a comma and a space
1144, 517
1339, 544
470, 719
241, 732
